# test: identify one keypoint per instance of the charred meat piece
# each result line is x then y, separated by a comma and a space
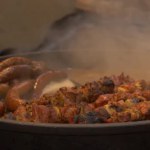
99, 115
92, 117
90, 91
122, 79
107, 85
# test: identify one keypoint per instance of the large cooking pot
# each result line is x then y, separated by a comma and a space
30, 136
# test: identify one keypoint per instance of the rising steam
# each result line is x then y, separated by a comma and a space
114, 39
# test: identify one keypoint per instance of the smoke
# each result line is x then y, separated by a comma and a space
115, 8
115, 39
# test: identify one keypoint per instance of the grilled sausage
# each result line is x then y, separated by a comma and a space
14, 61
44, 79
13, 72
2, 108
14, 96
38, 68
20, 71
4, 89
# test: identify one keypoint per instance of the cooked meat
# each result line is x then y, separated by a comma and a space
44, 79
13, 72
13, 61
108, 100
2, 108
14, 96
87, 93
40, 113
4, 87
111, 99
38, 68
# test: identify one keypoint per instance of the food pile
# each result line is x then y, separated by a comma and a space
108, 100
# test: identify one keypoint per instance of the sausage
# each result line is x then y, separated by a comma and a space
44, 79
14, 96
4, 89
2, 108
38, 68
14, 61
13, 72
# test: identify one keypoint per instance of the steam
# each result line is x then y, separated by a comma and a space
111, 43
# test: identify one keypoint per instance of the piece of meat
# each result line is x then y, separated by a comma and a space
122, 79
14, 96
13, 61
40, 113
44, 79
103, 100
107, 85
68, 114
38, 68
13, 72
87, 93
21, 114
4, 89
94, 102
2, 108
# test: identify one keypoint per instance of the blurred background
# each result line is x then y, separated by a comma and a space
107, 34
24, 23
